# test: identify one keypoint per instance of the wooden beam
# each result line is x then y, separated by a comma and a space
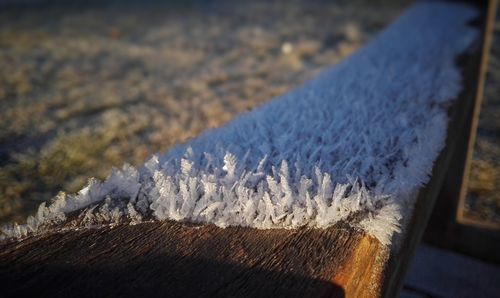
175, 259
179, 260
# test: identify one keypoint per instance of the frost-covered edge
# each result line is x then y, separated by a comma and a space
290, 163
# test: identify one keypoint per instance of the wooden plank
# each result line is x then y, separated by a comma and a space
174, 259
439, 273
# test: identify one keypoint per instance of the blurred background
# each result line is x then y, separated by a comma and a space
88, 85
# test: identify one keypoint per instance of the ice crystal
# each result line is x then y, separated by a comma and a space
352, 145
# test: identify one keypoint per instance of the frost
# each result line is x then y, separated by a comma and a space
352, 145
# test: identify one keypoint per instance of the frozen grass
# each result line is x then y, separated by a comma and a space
355, 144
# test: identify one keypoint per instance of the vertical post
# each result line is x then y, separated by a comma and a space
447, 227
472, 131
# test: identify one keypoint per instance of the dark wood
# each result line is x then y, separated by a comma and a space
447, 227
172, 259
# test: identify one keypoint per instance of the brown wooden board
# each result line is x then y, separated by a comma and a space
178, 260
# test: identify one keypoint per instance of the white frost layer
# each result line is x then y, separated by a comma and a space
353, 144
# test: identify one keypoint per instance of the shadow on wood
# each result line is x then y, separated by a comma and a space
175, 259
159, 276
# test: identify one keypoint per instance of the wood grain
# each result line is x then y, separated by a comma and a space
174, 259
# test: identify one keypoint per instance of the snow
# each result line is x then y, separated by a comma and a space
354, 145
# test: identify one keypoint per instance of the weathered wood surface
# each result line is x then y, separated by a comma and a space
174, 259
177, 260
